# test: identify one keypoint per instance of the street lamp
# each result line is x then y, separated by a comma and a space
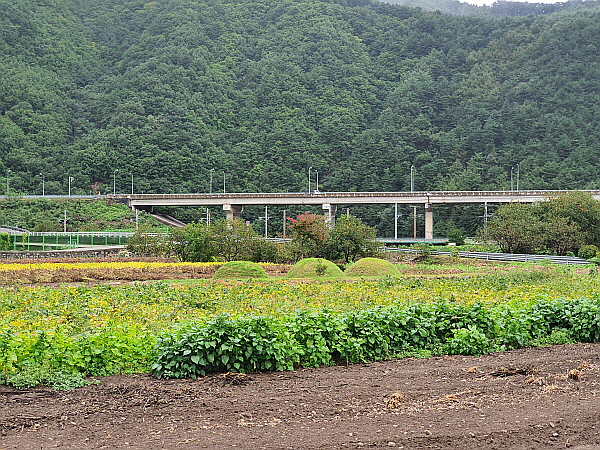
412, 178
115, 181
511, 178
518, 173
7, 174
131, 173
43, 185
70, 179
309, 169
223, 182
211, 176
317, 178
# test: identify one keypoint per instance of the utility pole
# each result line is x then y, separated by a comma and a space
266, 218
284, 223
395, 220
414, 221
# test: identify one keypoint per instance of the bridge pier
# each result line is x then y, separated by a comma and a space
331, 210
233, 211
428, 221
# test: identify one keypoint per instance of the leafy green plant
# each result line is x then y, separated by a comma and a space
468, 341
224, 344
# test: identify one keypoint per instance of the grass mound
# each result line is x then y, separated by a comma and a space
372, 267
314, 268
240, 269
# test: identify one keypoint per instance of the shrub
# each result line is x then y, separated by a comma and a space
240, 269
372, 267
456, 236
314, 268
4, 241
588, 251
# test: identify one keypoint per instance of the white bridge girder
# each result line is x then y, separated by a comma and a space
233, 203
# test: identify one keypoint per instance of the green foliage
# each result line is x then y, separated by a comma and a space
314, 268
43, 214
176, 93
224, 344
560, 225
468, 341
588, 251
423, 250
192, 243
517, 228
274, 325
147, 242
240, 269
34, 376
350, 239
233, 240
456, 236
309, 234
372, 267
4, 241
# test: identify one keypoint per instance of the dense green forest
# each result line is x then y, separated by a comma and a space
246, 95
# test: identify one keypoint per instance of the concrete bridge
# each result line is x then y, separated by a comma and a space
233, 204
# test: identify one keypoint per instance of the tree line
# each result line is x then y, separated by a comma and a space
235, 240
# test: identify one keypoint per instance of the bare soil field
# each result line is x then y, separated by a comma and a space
533, 398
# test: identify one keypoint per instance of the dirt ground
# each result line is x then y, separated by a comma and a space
535, 398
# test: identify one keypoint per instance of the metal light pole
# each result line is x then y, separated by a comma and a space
115, 181
412, 178
131, 182
518, 173
309, 169
317, 184
70, 179
43, 185
511, 179
223, 182
7, 174
211, 175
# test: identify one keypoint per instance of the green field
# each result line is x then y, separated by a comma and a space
190, 329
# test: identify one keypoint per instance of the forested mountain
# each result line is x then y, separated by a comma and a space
500, 8
261, 90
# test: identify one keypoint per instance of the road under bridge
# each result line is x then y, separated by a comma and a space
234, 203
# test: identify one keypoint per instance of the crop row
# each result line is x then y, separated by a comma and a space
106, 330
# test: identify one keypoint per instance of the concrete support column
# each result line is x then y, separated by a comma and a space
428, 221
331, 210
233, 211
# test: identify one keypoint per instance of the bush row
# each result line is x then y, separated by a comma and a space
311, 339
